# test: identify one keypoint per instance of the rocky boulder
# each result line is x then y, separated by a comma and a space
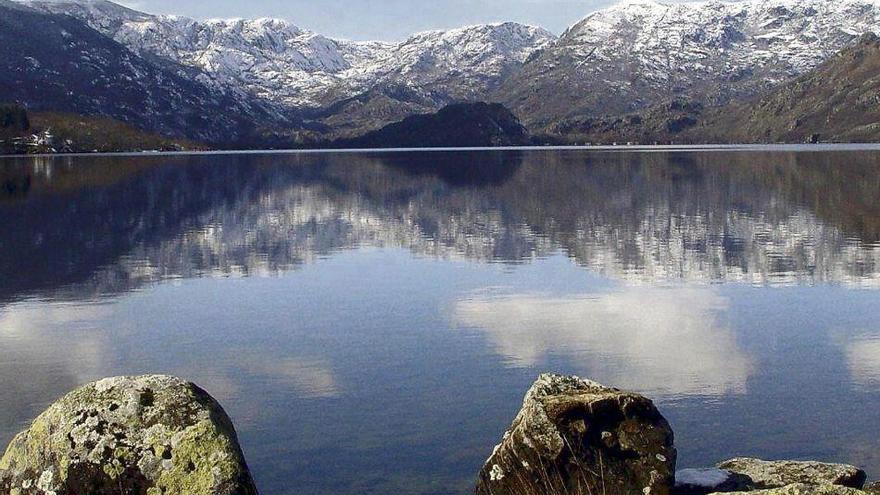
575, 436
777, 474
873, 488
802, 489
147, 435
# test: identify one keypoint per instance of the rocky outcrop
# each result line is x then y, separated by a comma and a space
466, 125
803, 489
777, 474
145, 435
575, 436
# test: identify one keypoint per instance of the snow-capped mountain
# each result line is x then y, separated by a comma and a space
616, 61
279, 61
58, 64
639, 52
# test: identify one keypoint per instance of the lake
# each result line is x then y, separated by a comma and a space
371, 321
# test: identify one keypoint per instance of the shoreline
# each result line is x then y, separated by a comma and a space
620, 148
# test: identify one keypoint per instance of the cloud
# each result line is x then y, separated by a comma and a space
664, 341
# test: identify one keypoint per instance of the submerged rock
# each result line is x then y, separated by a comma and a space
776, 474
709, 480
803, 489
148, 435
575, 436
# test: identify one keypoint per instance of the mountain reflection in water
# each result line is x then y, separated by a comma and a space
385, 311
113, 224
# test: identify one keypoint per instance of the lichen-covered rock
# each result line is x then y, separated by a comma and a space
802, 489
873, 488
148, 435
709, 480
575, 437
775, 474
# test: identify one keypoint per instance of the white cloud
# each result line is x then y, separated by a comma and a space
660, 341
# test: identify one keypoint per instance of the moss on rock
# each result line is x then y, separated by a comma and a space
148, 435
777, 474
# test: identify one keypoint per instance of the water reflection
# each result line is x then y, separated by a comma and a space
863, 357
55, 361
116, 224
628, 337
385, 312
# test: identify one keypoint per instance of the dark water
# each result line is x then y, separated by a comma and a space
371, 321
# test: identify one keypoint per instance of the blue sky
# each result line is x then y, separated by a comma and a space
383, 19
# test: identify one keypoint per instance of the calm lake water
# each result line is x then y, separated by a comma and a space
371, 321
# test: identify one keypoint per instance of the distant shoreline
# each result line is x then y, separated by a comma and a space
624, 148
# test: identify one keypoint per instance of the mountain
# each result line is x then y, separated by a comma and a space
468, 125
640, 70
837, 101
57, 63
640, 53
344, 85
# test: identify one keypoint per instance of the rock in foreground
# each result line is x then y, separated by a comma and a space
146, 435
802, 489
575, 436
776, 474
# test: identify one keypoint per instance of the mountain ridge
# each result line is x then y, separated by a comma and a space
56, 63
302, 68
673, 63
636, 54
839, 101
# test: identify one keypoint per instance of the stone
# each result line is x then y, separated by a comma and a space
147, 435
575, 436
803, 489
873, 488
708, 480
776, 474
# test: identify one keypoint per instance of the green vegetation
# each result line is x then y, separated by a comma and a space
24, 133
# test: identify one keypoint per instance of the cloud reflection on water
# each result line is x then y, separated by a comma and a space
670, 342
863, 359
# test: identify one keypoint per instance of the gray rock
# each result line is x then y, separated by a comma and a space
804, 489
575, 436
777, 474
147, 435
709, 480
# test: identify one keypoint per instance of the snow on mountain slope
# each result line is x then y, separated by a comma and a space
56, 63
619, 60
640, 51
692, 38
465, 61
279, 61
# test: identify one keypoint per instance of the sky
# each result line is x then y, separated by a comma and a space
387, 20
